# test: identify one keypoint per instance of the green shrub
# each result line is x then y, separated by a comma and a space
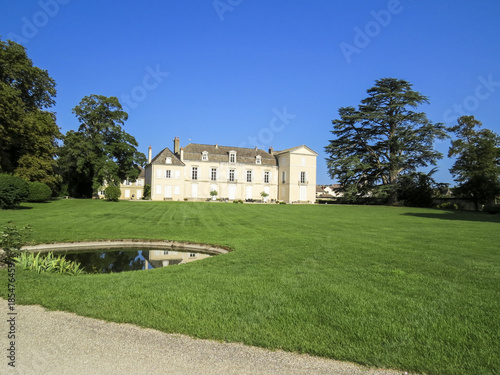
13, 191
447, 206
12, 239
112, 193
38, 192
48, 263
147, 192
492, 208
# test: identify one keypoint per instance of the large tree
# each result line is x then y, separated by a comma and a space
28, 131
100, 152
477, 168
381, 140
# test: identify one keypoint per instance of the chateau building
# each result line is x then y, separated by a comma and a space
195, 172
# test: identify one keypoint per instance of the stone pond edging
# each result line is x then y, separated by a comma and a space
128, 244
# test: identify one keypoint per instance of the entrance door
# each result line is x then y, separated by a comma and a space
168, 191
303, 193
232, 192
194, 190
248, 194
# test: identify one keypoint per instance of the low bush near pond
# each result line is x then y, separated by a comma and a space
48, 263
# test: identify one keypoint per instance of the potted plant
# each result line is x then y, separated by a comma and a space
264, 196
214, 193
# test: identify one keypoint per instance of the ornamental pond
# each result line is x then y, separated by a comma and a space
113, 260
122, 256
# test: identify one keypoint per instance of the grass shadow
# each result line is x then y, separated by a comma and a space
457, 215
17, 208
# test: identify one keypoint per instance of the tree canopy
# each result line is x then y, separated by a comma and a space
381, 140
477, 168
28, 131
100, 152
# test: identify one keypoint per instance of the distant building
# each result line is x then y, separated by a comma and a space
133, 190
235, 173
328, 191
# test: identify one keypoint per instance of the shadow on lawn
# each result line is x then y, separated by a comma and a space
458, 215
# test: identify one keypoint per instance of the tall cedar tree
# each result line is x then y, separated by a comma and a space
477, 168
382, 140
100, 152
28, 131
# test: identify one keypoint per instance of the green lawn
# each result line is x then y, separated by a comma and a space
405, 288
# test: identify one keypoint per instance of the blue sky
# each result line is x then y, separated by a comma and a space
260, 73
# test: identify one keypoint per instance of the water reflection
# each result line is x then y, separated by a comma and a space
107, 261
163, 258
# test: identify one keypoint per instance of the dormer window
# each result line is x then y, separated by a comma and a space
168, 160
204, 156
258, 159
232, 156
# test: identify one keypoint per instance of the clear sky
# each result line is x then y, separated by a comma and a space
260, 73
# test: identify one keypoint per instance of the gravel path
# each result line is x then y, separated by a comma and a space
54, 342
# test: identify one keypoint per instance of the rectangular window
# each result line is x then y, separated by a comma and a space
266, 177
302, 177
168, 173
177, 175
249, 176
231, 175
232, 157
165, 252
204, 156
159, 173
213, 174
192, 255
194, 173
158, 189
168, 160
126, 183
177, 189
283, 177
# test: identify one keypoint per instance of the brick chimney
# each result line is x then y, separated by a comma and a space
176, 145
150, 154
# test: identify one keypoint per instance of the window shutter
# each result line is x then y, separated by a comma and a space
158, 173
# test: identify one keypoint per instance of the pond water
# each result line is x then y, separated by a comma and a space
120, 260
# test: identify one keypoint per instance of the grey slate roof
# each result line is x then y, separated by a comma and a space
142, 173
193, 151
162, 157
